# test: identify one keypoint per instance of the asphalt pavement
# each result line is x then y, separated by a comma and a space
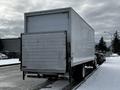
11, 79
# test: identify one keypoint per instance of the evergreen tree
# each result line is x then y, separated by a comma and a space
102, 45
116, 43
96, 47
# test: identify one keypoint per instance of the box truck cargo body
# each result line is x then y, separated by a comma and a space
55, 41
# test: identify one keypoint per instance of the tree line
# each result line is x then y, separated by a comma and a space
114, 47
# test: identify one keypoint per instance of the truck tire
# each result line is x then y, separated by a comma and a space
83, 72
95, 65
78, 73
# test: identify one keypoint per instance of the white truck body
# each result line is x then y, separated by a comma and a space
76, 46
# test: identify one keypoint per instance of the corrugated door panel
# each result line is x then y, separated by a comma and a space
47, 22
44, 51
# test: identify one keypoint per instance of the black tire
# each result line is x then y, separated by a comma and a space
95, 64
78, 73
83, 72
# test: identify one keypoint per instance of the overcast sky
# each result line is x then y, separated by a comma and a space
102, 15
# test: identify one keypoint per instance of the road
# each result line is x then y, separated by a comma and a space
107, 77
11, 79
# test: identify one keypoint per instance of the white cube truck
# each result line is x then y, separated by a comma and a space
57, 42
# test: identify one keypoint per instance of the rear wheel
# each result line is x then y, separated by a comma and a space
83, 72
95, 64
78, 73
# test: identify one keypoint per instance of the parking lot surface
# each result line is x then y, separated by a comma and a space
11, 79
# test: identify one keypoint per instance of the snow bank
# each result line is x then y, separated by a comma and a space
9, 61
107, 77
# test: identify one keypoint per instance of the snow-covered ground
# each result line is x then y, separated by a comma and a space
107, 77
9, 61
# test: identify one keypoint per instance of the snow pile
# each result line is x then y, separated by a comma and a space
107, 77
114, 55
9, 61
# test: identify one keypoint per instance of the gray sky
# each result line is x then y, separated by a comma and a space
102, 15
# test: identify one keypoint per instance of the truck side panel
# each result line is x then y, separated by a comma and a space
82, 40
